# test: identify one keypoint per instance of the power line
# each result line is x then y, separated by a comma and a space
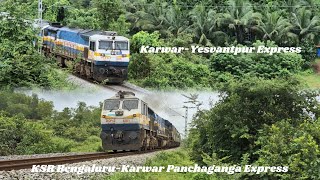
219, 6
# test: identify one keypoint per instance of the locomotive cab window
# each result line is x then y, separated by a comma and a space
130, 104
106, 45
121, 45
111, 104
92, 46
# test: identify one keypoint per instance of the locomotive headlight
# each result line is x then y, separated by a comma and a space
134, 115
103, 116
102, 70
133, 135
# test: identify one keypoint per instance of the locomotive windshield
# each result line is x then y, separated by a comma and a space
111, 104
130, 104
106, 45
121, 45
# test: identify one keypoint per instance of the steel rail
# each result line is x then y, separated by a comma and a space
114, 87
16, 164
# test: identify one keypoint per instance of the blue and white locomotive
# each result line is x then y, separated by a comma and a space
99, 55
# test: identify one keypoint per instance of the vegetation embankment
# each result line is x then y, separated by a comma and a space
29, 125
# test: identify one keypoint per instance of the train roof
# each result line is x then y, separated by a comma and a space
123, 94
86, 32
104, 37
167, 122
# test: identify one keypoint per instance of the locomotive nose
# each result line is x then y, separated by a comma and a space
119, 113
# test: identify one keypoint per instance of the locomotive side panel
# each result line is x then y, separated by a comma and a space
103, 56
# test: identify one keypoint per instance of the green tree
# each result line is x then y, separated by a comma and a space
83, 18
292, 144
260, 65
204, 26
120, 26
305, 24
150, 17
230, 129
21, 64
275, 27
176, 20
239, 18
108, 11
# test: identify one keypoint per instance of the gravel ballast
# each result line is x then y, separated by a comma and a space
26, 174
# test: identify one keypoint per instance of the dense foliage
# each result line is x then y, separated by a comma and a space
259, 65
182, 23
30, 125
265, 119
265, 122
20, 63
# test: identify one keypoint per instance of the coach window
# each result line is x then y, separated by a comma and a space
146, 110
45, 32
92, 46
142, 108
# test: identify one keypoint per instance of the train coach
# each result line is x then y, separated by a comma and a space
99, 55
128, 123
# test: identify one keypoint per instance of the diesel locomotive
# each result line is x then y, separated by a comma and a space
99, 55
128, 123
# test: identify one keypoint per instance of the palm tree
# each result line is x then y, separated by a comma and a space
275, 27
149, 17
239, 18
204, 26
176, 20
306, 25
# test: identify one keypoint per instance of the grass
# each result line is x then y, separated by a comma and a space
309, 79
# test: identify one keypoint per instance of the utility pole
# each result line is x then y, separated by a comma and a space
186, 120
40, 10
185, 117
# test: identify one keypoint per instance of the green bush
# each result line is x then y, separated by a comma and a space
231, 127
29, 107
144, 38
259, 65
29, 125
286, 143
19, 136
169, 71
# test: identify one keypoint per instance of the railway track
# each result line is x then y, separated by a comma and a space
16, 164
114, 87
